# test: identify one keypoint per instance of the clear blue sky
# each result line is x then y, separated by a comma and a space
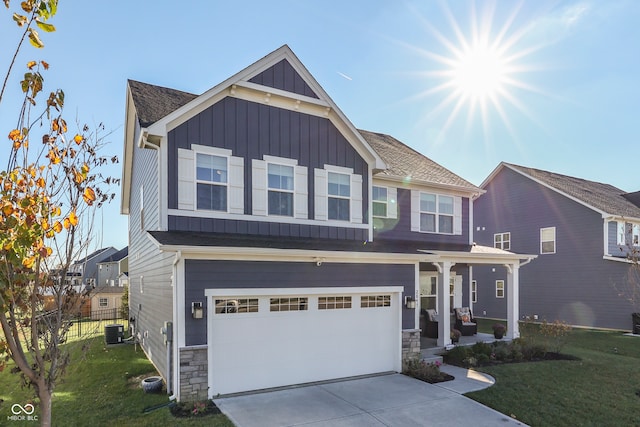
569, 100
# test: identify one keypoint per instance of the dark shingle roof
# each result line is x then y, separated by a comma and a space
182, 238
604, 197
403, 162
154, 102
116, 256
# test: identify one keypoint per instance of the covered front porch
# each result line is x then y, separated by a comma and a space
446, 284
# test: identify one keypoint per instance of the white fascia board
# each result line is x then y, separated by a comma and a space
421, 185
294, 255
608, 217
127, 152
480, 258
239, 292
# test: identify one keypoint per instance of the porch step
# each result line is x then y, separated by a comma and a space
432, 358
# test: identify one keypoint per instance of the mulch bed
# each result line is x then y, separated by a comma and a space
186, 409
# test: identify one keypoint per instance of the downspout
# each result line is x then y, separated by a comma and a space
170, 343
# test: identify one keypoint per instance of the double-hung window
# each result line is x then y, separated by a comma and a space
339, 196
211, 182
281, 189
548, 240
436, 213
380, 201
502, 241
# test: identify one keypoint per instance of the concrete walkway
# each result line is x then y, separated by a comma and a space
392, 400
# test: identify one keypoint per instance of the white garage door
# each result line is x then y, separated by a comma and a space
263, 338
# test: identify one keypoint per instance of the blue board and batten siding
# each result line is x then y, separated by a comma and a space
284, 77
251, 131
575, 284
210, 274
400, 227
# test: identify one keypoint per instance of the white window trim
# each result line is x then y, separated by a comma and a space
555, 248
635, 234
321, 186
260, 187
416, 211
474, 291
502, 235
196, 181
391, 202
106, 300
188, 183
499, 288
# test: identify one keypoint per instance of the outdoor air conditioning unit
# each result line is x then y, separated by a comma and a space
113, 334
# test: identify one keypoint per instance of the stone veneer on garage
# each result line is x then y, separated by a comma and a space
410, 345
193, 373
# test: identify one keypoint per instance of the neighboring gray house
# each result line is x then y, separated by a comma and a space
273, 243
83, 273
106, 297
581, 230
111, 266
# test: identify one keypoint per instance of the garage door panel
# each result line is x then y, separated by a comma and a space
250, 351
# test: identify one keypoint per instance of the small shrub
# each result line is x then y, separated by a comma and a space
555, 334
194, 409
470, 362
502, 352
428, 372
483, 359
456, 355
482, 348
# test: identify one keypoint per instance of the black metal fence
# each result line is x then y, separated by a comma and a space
94, 325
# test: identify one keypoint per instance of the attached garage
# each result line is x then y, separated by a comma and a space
264, 338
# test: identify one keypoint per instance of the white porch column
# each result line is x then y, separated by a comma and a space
444, 309
513, 298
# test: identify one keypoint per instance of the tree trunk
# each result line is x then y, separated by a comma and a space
45, 407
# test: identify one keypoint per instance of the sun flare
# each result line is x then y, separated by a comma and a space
478, 69
479, 72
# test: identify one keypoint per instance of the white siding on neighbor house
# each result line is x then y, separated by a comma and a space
153, 307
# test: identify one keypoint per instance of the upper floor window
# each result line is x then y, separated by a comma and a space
210, 179
211, 182
436, 213
380, 201
548, 240
339, 192
279, 187
502, 241
280, 182
635, 234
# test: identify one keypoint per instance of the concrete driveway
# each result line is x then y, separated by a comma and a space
386, 400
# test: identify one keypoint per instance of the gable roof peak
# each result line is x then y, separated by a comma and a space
601, 197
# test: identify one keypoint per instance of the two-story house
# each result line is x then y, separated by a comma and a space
581, 230
274, 243
83, 273
106, 297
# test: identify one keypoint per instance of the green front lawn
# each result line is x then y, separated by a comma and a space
601, 389
102, 389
